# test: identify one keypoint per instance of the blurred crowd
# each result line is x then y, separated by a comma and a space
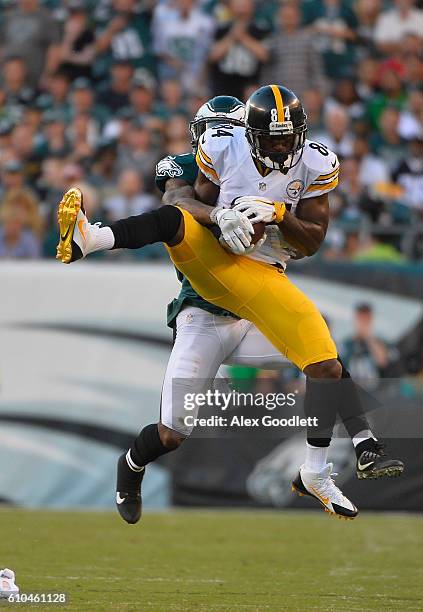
94, 93
365, 353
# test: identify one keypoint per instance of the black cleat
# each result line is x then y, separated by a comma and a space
373, 462
128, 491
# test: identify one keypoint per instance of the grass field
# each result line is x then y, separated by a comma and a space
204, 560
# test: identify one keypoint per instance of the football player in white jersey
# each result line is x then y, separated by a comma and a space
274, 158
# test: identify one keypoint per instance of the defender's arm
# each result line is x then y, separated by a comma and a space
236, 229
306, 230
206, 190
175, 189
180, 193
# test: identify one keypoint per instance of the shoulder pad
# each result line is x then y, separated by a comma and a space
213, 147
172, 166
318, 158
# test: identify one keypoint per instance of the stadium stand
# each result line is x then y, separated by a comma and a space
94, 93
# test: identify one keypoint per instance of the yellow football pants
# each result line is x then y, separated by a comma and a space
254, 291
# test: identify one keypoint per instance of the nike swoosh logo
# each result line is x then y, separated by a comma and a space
325, 500
119, 499
364, 466
64, 236
334, 164
81, 224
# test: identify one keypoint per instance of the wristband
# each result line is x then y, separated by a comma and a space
280, 209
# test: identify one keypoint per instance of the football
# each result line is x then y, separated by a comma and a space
259, 229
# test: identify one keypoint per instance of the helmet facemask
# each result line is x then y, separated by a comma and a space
279, 148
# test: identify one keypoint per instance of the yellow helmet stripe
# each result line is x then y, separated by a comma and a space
279, 101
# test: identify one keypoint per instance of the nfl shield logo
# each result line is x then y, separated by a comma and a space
262, 186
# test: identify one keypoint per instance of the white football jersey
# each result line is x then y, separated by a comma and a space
224, 156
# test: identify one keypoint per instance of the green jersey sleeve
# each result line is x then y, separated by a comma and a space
182, 167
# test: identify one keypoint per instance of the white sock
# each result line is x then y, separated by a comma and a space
134, 467
316, 458
363, 435
104, 241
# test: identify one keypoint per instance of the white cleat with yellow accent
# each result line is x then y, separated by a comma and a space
8, 587
322, 487
77, 234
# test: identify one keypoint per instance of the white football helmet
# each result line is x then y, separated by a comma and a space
218, 110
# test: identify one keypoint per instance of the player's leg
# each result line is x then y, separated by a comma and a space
342, 393
372, 462
289, 320
248, 289
309, 345
147, 447
79, 237
372, 458
321, 401
294, 325
202, 342
256, 351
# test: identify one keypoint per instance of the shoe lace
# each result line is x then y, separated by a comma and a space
379, 451
368, 456
327, 488
380, 448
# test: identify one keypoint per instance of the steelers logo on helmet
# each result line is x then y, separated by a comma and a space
276, 127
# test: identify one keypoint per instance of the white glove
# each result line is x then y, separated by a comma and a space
236, 228
248, 250
256, 246
260, 209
